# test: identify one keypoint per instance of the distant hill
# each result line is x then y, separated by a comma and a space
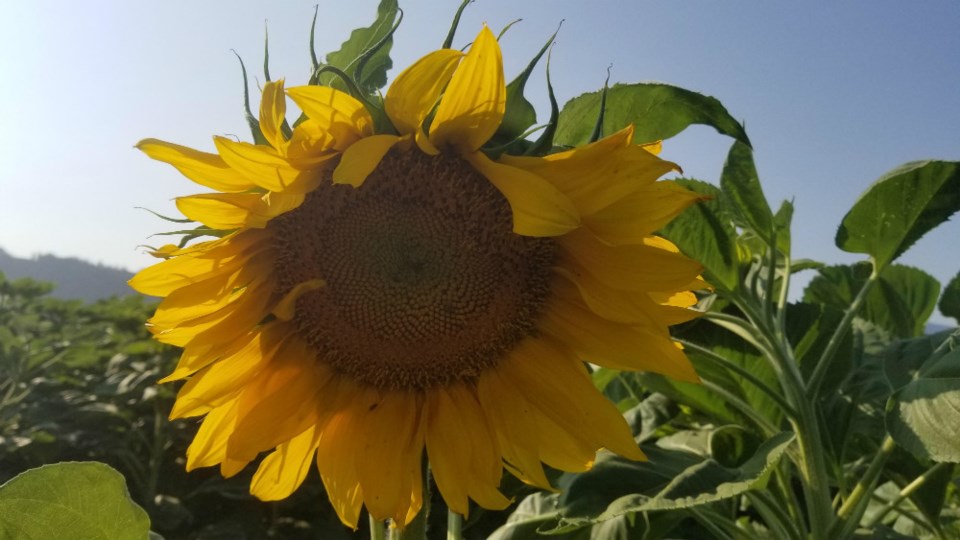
74, 278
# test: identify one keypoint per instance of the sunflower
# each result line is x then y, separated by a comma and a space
371, 296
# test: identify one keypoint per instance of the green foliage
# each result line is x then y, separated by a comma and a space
899, 208
89, 500
657, 111
917, 415
900, 303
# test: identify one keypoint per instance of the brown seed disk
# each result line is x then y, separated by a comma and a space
426, 282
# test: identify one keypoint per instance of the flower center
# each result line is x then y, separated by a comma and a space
426, 283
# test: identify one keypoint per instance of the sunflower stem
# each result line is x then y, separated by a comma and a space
454, 526
378, 530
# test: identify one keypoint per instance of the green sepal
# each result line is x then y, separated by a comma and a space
598, 126
251, 119
448, 41
519, 113
165, 218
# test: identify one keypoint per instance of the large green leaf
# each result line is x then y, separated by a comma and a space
658, 111
901, 302
81, 501
705, 233
670, 480
899, 208
362, 40
950, 301
922, 416
740, 182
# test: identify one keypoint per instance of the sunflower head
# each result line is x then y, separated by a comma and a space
372, 295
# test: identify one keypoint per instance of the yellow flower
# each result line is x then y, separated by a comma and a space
375, 296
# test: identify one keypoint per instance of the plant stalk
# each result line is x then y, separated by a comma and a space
820, 371
454, 526
908, 490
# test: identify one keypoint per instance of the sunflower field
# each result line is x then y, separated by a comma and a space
416, 311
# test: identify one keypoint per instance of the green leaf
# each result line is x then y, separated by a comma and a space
657, 111
921, 416
670, 480
362, 40
901, 302
740, 182
705, 233
89, 500
950, 301
539, 511
899, 208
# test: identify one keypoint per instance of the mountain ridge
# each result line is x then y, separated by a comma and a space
74, 279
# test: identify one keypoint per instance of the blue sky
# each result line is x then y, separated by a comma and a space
833, 95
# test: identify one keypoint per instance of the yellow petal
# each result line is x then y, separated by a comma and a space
640, 214
559, 386
515, 424
391, 455
627, 307
363, 156
473, 104
200, 262
614, 345
539, 209
273, 110
209, 446
415, 91
280, 402
599, 174
266, 168
282, 472
224, 210
336, 457
242, 311
205, 169
212, 387
284, 310
651, 266
335, 112
461, 450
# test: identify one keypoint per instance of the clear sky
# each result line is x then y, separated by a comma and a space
833, 94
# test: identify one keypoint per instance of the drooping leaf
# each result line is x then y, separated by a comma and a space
705, 233
539, 511
352, 52
899, 208
658, 111
921, 416
671, 480
950, 301
85, 501
740, 182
